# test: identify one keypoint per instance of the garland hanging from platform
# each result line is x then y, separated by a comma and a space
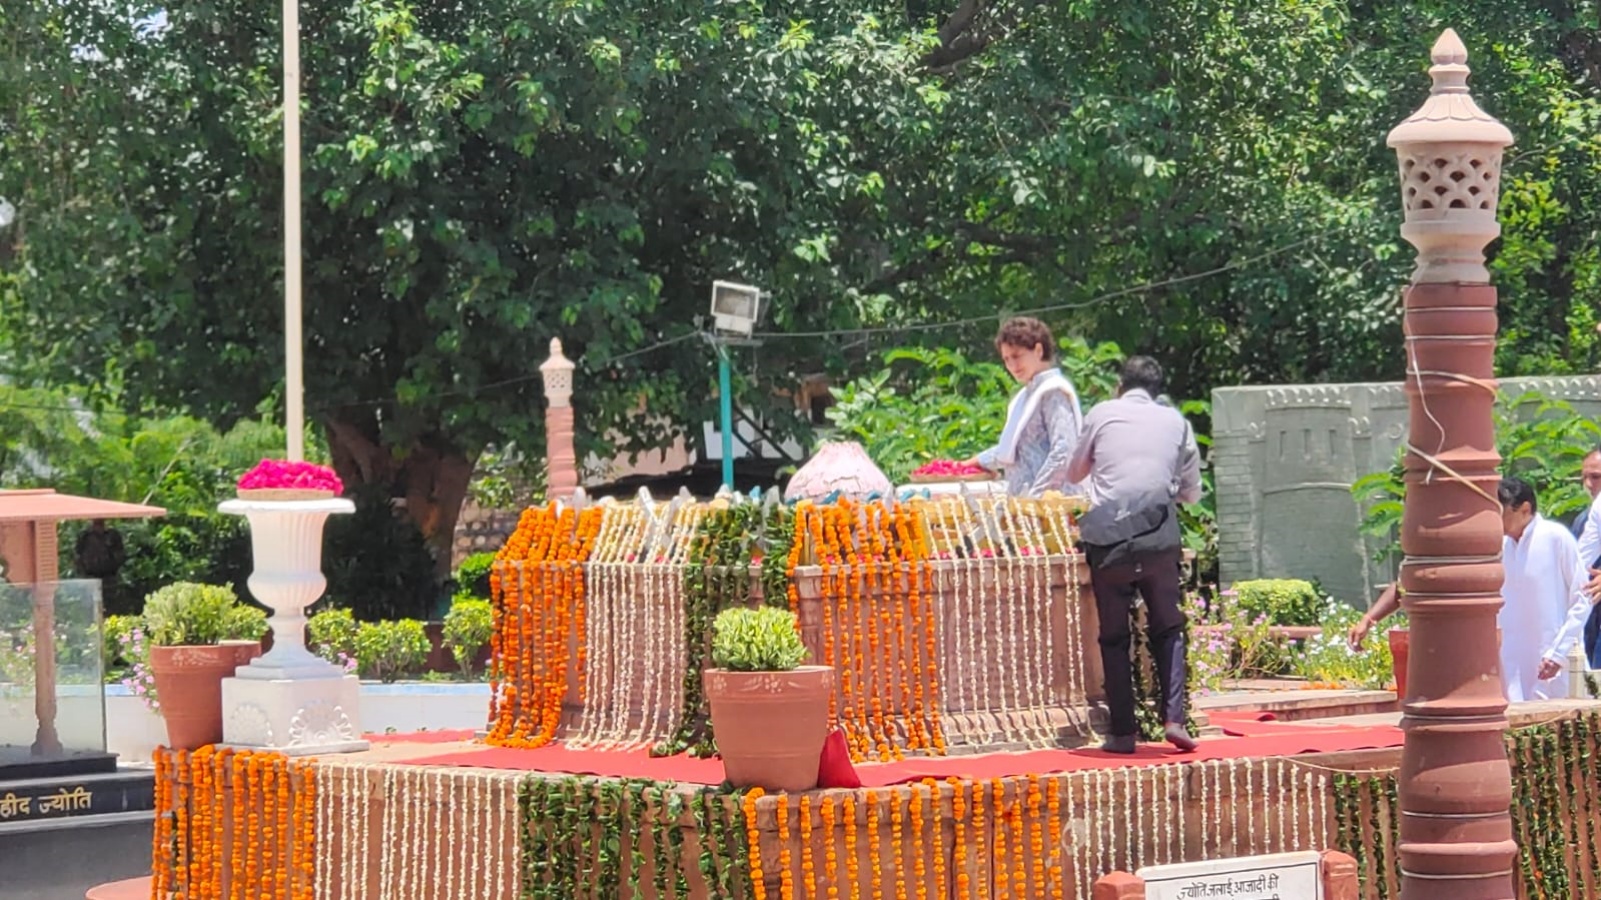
537, 587
1038, 836
1557, 791
729, 540
880, 628
603, 838
637, 585
232, 824
1000, 589
414, 832
633, 683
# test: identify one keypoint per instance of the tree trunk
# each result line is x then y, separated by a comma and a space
431, 473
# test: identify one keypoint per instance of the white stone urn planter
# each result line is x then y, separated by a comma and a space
289, 699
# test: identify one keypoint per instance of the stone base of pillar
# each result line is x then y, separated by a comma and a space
297, 717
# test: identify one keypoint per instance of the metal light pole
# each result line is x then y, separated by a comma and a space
294, 387
725, 402
735, 309
1455, 786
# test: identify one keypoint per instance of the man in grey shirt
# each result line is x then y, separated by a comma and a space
1132, 449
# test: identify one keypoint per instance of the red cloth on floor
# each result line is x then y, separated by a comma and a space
835, 769
1262, 739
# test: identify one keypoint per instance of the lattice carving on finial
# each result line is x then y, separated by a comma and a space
558, 374
1449, 153
1460, 180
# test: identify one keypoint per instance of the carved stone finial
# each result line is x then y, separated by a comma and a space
1449, 50
558, 375
1450, 159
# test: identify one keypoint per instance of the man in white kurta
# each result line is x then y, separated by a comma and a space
1544, 604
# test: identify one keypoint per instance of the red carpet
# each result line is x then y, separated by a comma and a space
1255, 739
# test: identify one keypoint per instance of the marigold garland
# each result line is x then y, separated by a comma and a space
871, 799
808, 872
538, 603
998, 811
786, 878
941, 883
830, 856
874, 576
959, 852
852, 861
1053, 807
270, 843
754, 846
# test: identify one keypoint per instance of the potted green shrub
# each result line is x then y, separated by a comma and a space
198, 635
769, 712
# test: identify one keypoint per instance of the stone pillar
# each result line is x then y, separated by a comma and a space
561, 462
1455, 786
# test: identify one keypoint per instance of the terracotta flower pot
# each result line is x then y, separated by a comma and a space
1400, 649
189, 687
770, 726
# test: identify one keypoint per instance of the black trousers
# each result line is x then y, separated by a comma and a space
1159, 583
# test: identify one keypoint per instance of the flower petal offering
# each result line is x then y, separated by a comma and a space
281, 479
950, 470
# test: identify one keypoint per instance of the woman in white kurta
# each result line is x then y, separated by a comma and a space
1544, 606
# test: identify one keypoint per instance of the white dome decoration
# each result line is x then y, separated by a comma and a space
838, 466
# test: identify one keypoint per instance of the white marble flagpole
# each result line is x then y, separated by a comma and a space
294, 388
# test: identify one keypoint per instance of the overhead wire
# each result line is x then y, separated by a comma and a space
858, 333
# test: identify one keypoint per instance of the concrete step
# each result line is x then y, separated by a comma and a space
1298, 705
66, 859
1519, 715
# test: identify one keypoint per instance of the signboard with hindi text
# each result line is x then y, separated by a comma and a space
24, 803
1279, 876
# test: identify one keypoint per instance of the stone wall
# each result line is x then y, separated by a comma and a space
1284, 460
480, 530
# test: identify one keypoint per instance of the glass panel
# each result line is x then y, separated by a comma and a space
52, 706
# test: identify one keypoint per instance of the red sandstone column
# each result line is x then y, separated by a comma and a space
561, 463
1118, 886
1455, 787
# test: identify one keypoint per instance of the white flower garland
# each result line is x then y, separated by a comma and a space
443, 833
1140, 859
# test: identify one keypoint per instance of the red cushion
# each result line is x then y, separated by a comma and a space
835, 769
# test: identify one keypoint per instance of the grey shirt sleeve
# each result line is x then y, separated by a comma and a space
1189, 468
1078, 468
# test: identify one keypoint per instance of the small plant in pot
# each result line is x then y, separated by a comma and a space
198, 635
769, 712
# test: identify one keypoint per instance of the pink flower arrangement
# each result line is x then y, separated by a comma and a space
280, 474
947, 468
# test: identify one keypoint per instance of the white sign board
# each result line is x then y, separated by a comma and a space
1280, 876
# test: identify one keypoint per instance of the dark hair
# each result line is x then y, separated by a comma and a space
1026, 333
1141, 373
1515, 492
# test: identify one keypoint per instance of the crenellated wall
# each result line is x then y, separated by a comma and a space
1284, 459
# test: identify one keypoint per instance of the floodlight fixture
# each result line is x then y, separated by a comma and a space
735, 308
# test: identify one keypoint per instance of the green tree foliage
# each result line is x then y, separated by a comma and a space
935, 403
1204, 180
477, 180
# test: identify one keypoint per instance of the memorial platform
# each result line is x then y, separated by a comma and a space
437, 816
